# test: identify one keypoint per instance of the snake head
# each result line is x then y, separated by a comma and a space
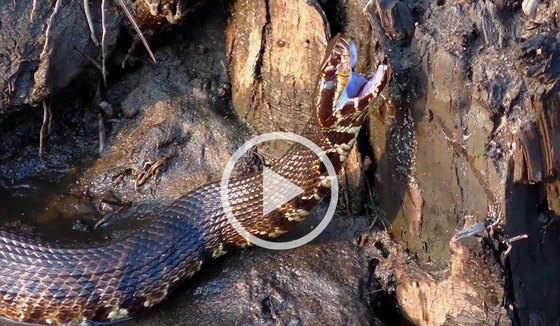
342, 94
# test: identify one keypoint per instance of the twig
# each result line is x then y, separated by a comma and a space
346, 192
48, 30
545, 230
152, 169
128, 54
375, 291
108, 216
372, 201
49, 113
43, 130
110, 199
137, 29
516, 238
90, 22
103, 44
508, 242
89, 58
101, 133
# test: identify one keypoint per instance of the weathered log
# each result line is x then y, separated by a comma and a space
470, 125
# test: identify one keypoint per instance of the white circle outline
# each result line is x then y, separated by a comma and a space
332, 175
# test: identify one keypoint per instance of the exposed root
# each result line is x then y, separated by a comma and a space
45, 127
90, 22
49, 24
101, 133
89, 19
137, 29
103, 44
49, 124
33, 7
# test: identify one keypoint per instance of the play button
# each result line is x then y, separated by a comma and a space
277, 190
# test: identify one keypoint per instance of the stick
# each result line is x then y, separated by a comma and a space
43, 130
137, 29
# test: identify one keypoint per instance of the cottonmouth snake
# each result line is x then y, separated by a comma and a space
47, 284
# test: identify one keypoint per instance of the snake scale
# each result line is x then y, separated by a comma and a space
44, 283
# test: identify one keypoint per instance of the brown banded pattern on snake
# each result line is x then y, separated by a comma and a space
44, 283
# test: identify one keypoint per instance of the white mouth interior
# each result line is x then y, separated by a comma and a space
359, 85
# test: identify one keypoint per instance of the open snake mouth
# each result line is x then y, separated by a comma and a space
342, 94
351, 106
359, 85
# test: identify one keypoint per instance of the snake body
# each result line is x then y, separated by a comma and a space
44, 283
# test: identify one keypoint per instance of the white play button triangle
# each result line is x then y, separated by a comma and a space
277, 190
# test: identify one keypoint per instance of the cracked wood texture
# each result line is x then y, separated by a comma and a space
471, 133
469, 130
275, 48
